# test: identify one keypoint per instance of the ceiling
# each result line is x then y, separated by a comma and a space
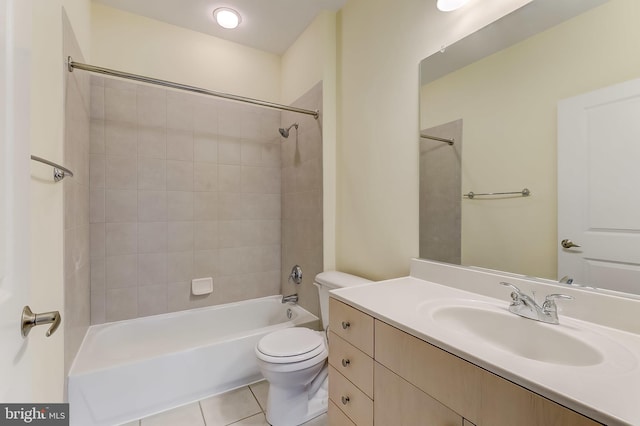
269, 25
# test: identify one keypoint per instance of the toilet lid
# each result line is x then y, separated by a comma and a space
290, 345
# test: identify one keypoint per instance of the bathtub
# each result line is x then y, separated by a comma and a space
130, 369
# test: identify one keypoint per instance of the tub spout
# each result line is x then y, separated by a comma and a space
292, 298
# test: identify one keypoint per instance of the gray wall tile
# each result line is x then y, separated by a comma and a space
96, 206
205, 148
152, 143
179, 175
229, 178
151, 107
205, 177
97, 171
120, 105
179, 205
121, 205
121, 271
152, 300
121, 172
192, 190
152, 206
121, 238
152, 269
152, 174
180, 145
180, 236
152, 237
121, 304
205, 235
180, 267
120, 139
205, 205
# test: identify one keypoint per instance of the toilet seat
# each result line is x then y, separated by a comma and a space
290, 345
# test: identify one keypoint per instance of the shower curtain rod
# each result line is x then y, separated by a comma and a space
71, 64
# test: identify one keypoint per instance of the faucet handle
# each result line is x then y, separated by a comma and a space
510, 285
558, 296
516, 291
552, 297
550, 300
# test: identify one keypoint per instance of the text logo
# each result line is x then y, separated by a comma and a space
34, 414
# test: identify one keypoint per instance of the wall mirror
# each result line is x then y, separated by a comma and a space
496, 93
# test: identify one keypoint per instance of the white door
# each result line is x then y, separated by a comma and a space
15, 362
599, 187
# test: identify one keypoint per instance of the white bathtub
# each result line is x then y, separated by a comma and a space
130, 369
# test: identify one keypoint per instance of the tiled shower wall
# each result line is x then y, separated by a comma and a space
76, 315
182, 187
302, 199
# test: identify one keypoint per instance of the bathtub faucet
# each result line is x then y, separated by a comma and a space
292, 298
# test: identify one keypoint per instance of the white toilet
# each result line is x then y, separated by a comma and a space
294, 362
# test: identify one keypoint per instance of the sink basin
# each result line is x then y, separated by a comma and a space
496, 326
520, 336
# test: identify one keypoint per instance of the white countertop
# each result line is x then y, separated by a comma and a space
608, 392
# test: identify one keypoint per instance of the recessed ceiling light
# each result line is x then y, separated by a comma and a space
227, 18
450, 5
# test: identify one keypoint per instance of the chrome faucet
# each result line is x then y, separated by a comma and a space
292, 298
526, 306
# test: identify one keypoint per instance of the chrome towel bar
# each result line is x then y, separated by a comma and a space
471, 195
436, 138
59, 172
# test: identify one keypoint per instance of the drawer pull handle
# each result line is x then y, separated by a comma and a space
345, 362
345, 325
345, 400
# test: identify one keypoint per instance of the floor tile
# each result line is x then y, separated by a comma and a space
321, 420
257, 420
261, 390
188, 415
229, 407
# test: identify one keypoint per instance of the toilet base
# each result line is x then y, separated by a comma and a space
287, 408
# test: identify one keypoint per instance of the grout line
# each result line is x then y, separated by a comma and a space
204, 420
256, 398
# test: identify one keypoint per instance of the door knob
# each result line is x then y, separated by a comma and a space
30, 320
568, 244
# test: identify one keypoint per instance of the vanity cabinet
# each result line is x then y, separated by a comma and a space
416, 383
350, 365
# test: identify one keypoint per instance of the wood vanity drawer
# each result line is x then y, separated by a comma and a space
352, 325
447, 378
478, 395
349, 399
337, 417
400, 403
352, 363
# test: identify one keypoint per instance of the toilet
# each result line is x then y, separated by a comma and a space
294, 362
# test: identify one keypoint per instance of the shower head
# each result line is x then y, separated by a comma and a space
285, 132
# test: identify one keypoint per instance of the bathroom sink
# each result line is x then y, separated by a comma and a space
494, 325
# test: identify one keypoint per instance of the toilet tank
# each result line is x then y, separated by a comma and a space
329, 280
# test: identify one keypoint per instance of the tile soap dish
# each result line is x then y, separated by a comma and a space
200, 286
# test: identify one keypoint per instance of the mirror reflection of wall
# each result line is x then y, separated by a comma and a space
440, 186
508, 102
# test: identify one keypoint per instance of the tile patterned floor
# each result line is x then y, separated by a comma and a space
240, 407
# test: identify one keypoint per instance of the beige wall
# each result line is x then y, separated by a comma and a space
47, 110
377, 157
310, 59
510, 127
132, 43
